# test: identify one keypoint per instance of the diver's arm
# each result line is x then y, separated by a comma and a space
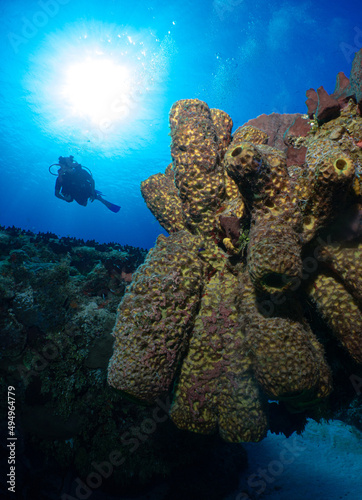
65, 197
93, 185
58, 194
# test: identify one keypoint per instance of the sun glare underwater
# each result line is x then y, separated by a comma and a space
96, 80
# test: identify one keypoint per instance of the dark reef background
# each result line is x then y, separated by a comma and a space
58, 303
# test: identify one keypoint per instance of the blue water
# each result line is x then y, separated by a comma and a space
244, 57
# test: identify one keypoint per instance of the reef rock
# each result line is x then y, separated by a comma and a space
355, 80
327, 107
324, 107
275, 126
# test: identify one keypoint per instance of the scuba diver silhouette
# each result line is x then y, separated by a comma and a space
75, 182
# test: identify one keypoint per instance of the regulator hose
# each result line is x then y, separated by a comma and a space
58, 165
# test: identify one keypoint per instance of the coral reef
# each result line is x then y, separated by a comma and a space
58, 305
264, 254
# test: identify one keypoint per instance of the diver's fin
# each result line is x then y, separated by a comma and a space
111, 206
114, 208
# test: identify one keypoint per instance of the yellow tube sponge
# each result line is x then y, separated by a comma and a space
199, 176
248, 133
274, 251
340, 311
223, 125
328, 184
274, 256
155, 317
160, 195
215, 315
286, 359
216, 388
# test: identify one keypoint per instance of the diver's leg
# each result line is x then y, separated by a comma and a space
111, 206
